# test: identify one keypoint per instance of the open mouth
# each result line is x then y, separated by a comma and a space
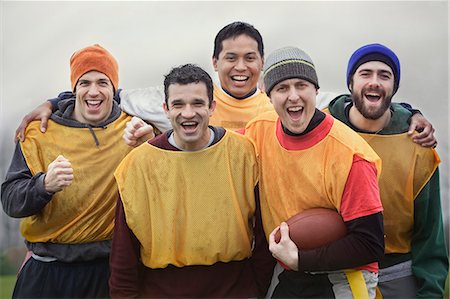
93, 104
189, 126
372, 96
239, 80
295, 112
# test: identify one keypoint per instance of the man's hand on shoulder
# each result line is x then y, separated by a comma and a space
41, 112
426, 136
137, 132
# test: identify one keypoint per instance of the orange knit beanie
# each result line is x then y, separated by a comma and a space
93, 58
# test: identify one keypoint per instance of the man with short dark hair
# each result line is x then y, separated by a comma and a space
184, 221
415, 264
238, 59
61, 184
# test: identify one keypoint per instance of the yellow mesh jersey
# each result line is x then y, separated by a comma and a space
234, 114
190, 208
84, 211
294, 180
407, 167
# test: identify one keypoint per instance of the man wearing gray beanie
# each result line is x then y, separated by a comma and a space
238, 58
415, 264
310, 160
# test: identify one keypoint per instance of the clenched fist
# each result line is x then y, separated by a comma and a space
137, 132
59, 175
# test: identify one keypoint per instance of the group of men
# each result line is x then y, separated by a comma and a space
193, 211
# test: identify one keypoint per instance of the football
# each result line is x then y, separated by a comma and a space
313, 228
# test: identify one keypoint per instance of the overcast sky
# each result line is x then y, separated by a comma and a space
148, 38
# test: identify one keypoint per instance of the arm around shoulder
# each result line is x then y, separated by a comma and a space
419, 123
146, 103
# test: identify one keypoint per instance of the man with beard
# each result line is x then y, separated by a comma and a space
416, 259
238, 59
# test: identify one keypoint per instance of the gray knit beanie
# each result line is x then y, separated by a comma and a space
288, 63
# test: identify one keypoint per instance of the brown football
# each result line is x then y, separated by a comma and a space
313, 228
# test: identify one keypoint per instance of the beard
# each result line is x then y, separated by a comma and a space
373, 113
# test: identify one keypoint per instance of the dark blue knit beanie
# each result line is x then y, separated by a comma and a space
374, 52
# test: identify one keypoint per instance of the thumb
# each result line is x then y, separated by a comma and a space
284, 230
44, 125
412, 128
410, 131
21, 135
61, 158
142, 131
137, 122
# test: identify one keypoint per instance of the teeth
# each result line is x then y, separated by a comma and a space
239, 78
191, 123
93, 102
373, 97
294, 109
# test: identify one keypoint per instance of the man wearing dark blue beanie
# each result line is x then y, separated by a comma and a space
415, 264
374, 52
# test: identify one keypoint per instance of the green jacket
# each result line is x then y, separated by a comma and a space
429, 254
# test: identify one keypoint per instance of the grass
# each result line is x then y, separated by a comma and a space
447, 287
6, 286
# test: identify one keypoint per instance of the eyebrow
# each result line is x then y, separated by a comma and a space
99, 80
181, 101
176, 101
247, 53
372, 70
386, 71
281, 85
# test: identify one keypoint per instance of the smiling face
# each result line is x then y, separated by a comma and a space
372, 87
189, 111
94, 95
294, 101
239, 65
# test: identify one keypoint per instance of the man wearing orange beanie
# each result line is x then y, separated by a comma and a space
61, 184
238, 59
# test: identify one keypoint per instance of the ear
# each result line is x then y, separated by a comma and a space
212, 107
166, 109
214, 62
261, 85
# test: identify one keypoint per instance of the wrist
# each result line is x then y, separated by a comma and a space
296, 261
41, 186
